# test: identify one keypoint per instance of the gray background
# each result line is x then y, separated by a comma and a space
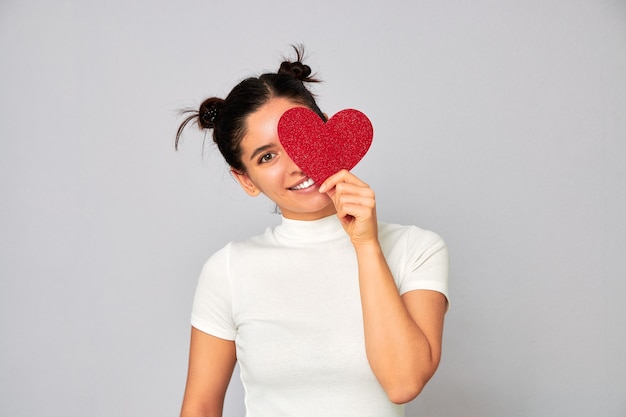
499, 124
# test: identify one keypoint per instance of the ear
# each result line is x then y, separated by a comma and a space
246, 183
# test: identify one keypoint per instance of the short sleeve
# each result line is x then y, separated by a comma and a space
427, 263
418, 258
212, 305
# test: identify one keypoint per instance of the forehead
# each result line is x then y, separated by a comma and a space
261, 125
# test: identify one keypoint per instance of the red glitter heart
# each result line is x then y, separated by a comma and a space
323, 149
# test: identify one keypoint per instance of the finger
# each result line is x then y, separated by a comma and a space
361, 206
343, 187
354, 189
361, 209
339, 177
363, 197
345, 193
356, 211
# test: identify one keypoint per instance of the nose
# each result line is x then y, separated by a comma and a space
292, 168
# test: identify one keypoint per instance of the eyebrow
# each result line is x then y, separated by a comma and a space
261, 149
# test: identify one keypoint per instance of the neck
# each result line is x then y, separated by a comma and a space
309, 216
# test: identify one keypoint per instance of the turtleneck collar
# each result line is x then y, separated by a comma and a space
313, 231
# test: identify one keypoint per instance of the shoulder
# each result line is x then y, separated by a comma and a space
254, 243
237, 249
408, 237
418, 258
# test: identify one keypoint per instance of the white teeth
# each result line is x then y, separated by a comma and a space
305, 184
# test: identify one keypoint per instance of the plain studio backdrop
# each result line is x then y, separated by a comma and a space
501, 125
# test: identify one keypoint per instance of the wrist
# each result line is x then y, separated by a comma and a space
367, 248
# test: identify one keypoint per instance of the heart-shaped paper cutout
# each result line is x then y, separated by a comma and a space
323, 149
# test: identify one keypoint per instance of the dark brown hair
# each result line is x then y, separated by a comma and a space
227, 117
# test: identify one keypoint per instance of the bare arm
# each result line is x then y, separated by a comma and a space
402, 333
211, 364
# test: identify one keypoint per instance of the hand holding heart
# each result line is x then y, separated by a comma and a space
355, 203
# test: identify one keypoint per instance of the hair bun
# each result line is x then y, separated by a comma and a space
297, 69
209, 112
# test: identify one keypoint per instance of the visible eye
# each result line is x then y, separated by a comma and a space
266, 157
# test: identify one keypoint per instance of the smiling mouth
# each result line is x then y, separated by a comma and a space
305, 184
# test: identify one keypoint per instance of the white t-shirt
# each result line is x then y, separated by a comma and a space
290, 300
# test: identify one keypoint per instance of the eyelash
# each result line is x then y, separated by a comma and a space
262, 159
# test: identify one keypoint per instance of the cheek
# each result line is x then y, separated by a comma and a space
270, 178
275, 174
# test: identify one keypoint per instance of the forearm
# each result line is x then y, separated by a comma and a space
402, 333
199, 413
398, 351
211, 364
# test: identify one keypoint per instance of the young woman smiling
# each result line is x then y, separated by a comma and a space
331, 313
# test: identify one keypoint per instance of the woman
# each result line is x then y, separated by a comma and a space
330, 313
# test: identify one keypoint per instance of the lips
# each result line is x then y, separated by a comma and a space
304, 184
